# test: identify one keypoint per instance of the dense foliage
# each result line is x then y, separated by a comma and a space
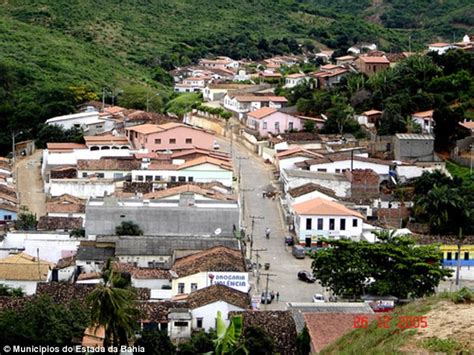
128, 228
393, 266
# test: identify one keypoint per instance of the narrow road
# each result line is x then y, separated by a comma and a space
255, 176
30, 184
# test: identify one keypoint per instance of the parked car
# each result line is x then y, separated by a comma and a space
298, 251
216, 145
306, 276
289, 241
267, 297
318, 298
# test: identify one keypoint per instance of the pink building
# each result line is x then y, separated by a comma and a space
269, 120
169, 136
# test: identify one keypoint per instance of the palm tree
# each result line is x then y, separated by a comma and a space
112, 306
411, 126
227, 341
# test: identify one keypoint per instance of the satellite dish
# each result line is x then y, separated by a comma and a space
218, 231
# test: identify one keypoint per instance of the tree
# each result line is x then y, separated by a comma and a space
57, 134
309, 126
348, 266
200, 343
128, 228
43, 322
9, 291
446, 125
303, 342
227, 338
391, 121
156, 342
257, 341
26, 220
113, 308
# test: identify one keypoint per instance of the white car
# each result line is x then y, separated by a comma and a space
318, 298
216, 145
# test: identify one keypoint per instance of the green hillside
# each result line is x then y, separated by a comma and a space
46, 46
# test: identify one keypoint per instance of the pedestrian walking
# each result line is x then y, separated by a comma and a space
278, 296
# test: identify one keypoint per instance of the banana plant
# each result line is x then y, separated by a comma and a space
228, 337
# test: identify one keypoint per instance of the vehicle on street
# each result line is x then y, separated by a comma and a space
216, 145
318, 298
298, 251
306, 276
289, 241
267, 297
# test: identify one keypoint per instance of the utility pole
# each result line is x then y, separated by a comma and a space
257, 255
266, 284
252, 231
243, 202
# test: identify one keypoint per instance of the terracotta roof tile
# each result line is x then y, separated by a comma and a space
322, 207
217, 293
324, 328
24, 267
64, 147
66, 204
188, 188
308, 188
371, 112
143, 273
424, 114
106, 139
262, 112
122, 164
262, 98
59, 223
374, 60
214, 259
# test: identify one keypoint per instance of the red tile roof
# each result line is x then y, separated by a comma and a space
322, 207
122, 164
254, 98
189, 188
262, 112
216, 293
371, 112
106, 139
324, 328
64, 147
374, 60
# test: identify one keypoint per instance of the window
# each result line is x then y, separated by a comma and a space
290, 126
466, 255
182, 179
148, 178
343, 224
189, 140
173, 178
199, 323
194, 287
190, 179
180, 324
264, 125
309, 224
354, 222
332, 224
338, 171
449, 256
456, 256
140, 177
323, 170
157, 178
320, 224
84, 175
181, 288
118, 175
100, 175
277, 126
172, 141
158, 141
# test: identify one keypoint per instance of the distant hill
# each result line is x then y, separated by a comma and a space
105, 42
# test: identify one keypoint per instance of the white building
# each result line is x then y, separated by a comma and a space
81, 188
338, 183
425, 120
202, 169
287, 159
440, 47
206, 302
243, 103
91, 121
293, 80
340, 163
50, 246
24, 271
307, 192
321, 218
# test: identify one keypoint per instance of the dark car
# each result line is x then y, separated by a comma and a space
306, 276
289, 241
267, 297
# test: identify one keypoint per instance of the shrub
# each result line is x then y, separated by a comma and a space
128, 228
464, 295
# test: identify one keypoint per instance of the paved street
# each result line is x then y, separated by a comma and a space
30, 183
255, 177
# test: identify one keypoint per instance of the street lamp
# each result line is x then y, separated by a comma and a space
148, 100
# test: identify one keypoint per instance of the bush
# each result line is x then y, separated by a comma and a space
128, 228
464, 295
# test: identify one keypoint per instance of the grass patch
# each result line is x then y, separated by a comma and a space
446, 346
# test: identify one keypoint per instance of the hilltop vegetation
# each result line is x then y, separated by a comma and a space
49, 46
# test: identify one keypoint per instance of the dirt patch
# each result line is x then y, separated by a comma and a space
447, 321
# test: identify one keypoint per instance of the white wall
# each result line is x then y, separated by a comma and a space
81, 189
413, 171
380, 169
28, 287
108, 174
68, 121
51, 246
208, 313
340, 188
71, 158
350, 231
150, 283
289, 163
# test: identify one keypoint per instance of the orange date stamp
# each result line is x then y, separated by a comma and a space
385, 321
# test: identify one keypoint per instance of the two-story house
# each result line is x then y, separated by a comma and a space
370, 65
269, 120
293, 80
321, 218
169, 136
243, 104
425, 120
